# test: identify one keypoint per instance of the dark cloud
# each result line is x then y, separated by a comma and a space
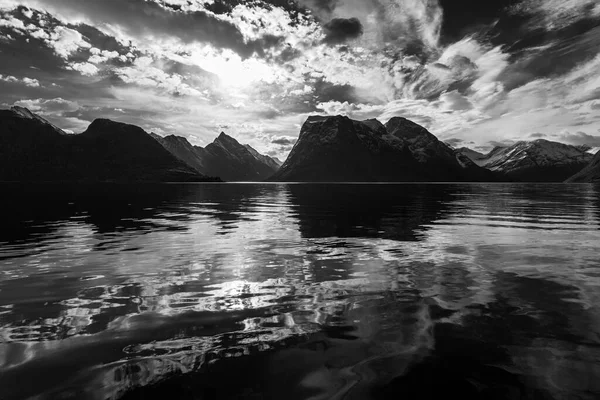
565, 50
284, 140
325, 91
340, 30
466, 16
221, 6
537, 135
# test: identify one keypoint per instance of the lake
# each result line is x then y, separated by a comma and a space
300, 291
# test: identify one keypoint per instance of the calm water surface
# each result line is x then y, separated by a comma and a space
274, 291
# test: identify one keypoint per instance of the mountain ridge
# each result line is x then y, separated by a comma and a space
540, 160
32, 149
337, 148
224, 157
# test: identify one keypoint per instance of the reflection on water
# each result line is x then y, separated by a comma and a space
269, 291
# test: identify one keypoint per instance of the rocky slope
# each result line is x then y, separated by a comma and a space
183, 150
32, 149
273, 162
537, 161
340, 149
224, 157
590, 173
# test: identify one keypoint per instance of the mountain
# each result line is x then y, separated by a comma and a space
272, 162
537, 161
340, 149
593, 150
470, 153
33, 149
234, 161
224, 157
591, 173
183, 150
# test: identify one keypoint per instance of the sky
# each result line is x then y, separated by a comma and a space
475, 73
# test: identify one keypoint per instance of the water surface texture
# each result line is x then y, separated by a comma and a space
275, 291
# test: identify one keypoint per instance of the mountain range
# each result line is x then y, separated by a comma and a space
32, 149
224, 157
329, 149
338, 149
536, 161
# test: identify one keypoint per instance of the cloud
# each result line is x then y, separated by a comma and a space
66, 41
454, 101
86, 69
25, 80
504, 143
284, 140
149, 20
580, 138
145, 72
340, 30
454, 142
48, 106
556, 14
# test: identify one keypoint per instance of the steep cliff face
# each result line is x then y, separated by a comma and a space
33, 149
537, 161
340, 149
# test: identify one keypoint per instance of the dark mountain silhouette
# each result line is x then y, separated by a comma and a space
590, 173
32, 149
224, 157
340, 149
537, 161
183, 150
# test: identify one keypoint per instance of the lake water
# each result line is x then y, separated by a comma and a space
276, 291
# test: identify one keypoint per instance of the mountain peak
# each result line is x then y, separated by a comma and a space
406, 129
103, 126
23, 112
225, 137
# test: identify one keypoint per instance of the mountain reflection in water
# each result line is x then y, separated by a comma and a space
275, 291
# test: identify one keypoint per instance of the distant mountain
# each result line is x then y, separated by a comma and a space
272, 162
591, 173
33, 149
224, 157
537, 161
183, 150
470, 153
340, 149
